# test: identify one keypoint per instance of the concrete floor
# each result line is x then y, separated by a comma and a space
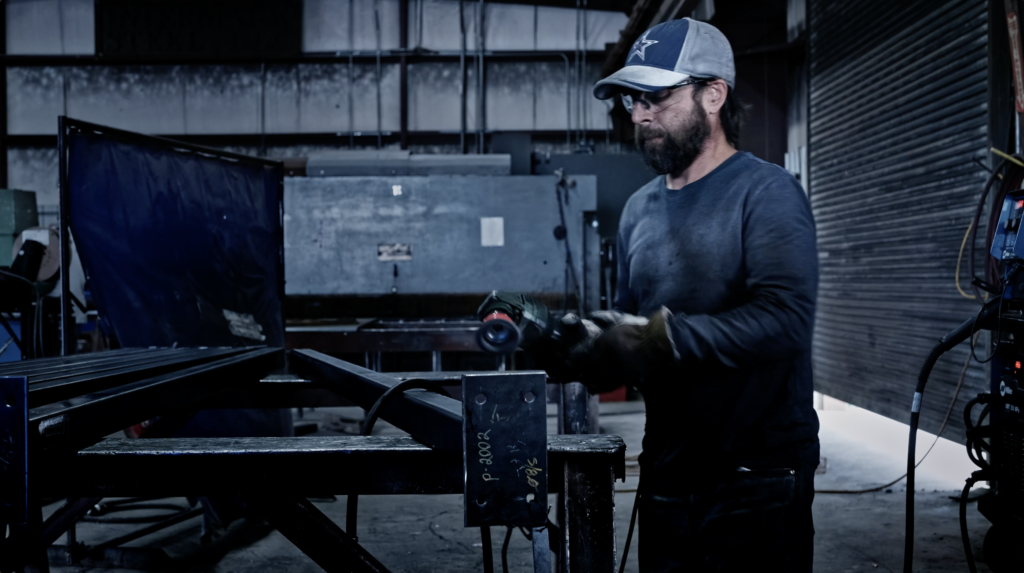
422, 534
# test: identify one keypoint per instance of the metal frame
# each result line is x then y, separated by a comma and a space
65, 126
69, 459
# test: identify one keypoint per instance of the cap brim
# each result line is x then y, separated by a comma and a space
640, 78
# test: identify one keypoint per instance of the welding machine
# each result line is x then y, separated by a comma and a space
996, 447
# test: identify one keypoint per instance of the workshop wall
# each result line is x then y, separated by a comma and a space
899, 140
528, 95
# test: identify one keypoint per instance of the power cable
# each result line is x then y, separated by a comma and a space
959, 258
504, 550
947, 342
942, 428
964, 536
371, 418
560, 186
629, 533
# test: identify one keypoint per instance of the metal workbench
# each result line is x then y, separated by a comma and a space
55, 414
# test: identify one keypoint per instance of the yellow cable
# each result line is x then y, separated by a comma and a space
959, 258
1006, 156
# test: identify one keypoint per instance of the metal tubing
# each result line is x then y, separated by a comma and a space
86, 420
7, 326
403, 89
351, 74
388, 465
434, 419
63, 520
462, 75
67, 340
480, 82
118, 541
588, 533
573, 413
376, 26
66, 123
3, 103
59, 388
44, 367
568, 104
263, 109
331, 57
315, 534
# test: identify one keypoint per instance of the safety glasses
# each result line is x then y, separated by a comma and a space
655, 101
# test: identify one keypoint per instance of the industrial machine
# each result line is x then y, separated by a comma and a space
994, 420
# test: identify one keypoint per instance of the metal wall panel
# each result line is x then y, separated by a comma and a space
326, 25
434, 25
35, 169
334, 226
50, 27
898, 123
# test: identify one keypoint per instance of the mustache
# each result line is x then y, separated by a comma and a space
644, 133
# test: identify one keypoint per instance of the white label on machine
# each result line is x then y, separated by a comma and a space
394, 252
38, 235
492, 231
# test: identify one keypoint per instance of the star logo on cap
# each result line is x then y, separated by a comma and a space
640, 47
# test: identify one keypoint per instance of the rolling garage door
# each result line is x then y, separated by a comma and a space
898, 134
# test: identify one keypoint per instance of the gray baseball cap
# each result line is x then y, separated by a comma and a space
670, 53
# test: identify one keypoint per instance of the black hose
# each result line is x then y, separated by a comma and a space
629, 534
504, 550
559, 187
977, 218
949, 341
975, 477
352, 509
485, 538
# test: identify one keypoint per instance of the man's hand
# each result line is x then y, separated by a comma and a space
636, 351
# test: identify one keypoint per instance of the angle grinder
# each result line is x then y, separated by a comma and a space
516, 320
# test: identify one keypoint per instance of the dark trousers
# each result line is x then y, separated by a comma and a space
750, 521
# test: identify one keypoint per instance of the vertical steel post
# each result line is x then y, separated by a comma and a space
3, 101
462, 76
403, 39
67, 317
588, 531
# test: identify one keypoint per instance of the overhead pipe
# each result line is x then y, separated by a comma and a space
462, 76
568, 102
480, 122
376, 25
351, 75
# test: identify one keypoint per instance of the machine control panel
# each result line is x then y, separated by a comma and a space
1005, 246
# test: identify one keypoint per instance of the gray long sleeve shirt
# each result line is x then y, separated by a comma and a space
733, 256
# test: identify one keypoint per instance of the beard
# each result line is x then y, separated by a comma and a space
675, 151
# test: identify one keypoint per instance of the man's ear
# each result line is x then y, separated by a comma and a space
714, 96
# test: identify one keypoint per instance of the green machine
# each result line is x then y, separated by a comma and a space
17, 213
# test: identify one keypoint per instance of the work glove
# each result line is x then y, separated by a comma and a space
635, 351
561, 354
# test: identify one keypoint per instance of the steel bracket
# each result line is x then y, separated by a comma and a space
505, 448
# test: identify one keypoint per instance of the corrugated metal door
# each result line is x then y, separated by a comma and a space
899, 123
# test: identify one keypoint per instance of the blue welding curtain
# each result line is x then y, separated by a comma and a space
180, 248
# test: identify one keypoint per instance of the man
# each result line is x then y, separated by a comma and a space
718, 252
